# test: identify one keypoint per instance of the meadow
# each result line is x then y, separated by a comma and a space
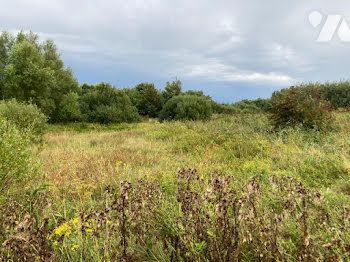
86, 166
147, 174
227, 189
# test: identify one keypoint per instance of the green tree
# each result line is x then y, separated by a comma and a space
27, 79
148, 100
69, 109
34, 71
6, 42
104, 104
64, 83
172, 89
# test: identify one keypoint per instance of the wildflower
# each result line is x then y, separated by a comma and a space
118, 164
74, 221
55, 243
74, 247
109, 222
88, 230
63, 229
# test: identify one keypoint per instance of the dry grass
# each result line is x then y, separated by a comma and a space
116, 194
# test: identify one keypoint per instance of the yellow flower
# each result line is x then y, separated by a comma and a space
55, 243
109, 222
74, 247
88, 230
74, 221
63, 229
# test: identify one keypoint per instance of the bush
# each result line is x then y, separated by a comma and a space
26, 117
15, 158
296, 106
104, 104
187, 107
244, 106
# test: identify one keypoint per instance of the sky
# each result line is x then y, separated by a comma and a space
231, 50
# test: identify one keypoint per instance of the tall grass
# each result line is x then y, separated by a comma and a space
256, 195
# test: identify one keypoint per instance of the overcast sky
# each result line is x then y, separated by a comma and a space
230, 49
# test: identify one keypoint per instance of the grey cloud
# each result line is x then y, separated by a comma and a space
227, 41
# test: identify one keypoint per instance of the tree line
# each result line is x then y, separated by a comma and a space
33, 72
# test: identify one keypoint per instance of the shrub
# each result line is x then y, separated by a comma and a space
187, 107
15, 158
246, 106
224, 108
26, 117
296, 106
104, 104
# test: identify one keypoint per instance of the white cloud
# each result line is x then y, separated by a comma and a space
216, 71
233, 41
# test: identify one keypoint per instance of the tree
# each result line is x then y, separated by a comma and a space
69, 109
31, 71
148, 100
104, 104
6, 42
65, 83
27, 79
172, 89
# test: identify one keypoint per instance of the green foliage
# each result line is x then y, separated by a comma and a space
298, 106
6, 42
104, 104
26, 78
64, 83
172, 89
148, 100
26, 117
243, 106
195, 93
337, 93
246, 106
263, 104
34, 72
187, 107
69, 110
16, 164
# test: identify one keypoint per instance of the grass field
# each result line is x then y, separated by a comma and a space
243, 202
78, 158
